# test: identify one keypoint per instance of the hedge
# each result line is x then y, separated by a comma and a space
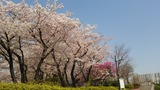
10, 86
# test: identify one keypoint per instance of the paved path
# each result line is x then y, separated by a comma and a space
147, 87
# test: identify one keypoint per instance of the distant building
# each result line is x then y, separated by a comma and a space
157, 77
152, 77
145, 78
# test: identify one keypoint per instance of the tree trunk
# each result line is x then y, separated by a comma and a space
11, 66
88, 74
23, 72
63, 84
12, 72
72, 75
22, 66
61, 77
128, 80
38, 72
65, 72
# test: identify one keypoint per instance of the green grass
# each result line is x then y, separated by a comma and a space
10, 86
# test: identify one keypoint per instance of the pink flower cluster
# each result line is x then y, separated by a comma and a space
108, 66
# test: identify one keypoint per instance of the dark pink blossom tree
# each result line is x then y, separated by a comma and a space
106, 69
98, 73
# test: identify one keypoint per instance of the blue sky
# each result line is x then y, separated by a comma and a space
135, 23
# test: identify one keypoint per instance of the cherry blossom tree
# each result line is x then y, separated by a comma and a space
12, 28
41, 42
67, 41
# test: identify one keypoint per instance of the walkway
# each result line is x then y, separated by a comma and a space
147, 87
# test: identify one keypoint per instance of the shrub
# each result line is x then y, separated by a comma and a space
110, 83
10, 86
129, 86
157, 87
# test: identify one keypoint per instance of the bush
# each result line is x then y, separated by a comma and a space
10, 86
157, 87
97, 88
129, 86
110, 83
